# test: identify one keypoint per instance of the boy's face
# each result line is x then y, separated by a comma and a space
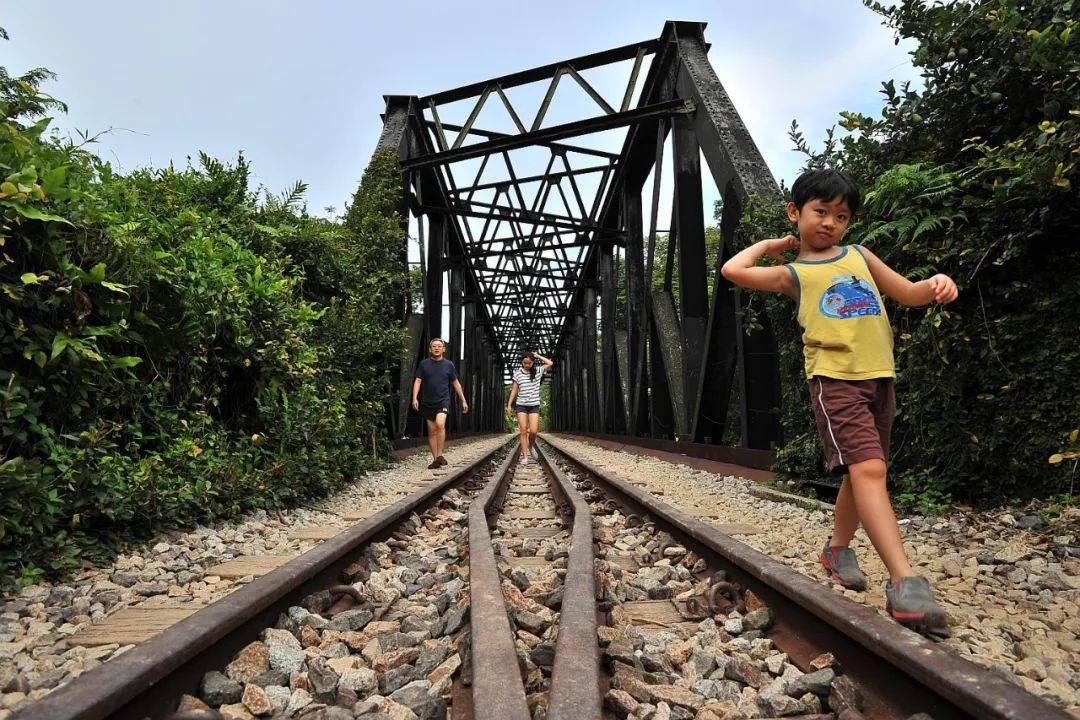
436, 348
821, 222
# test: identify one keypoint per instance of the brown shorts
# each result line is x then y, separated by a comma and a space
854, 419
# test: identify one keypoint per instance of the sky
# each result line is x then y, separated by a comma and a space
298, 86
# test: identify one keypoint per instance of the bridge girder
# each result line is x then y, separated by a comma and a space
561, 260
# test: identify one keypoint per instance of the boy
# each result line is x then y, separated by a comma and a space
431, 396
848, 348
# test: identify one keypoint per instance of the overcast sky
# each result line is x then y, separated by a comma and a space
298, 86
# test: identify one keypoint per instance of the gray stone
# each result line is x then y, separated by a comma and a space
278, 695
9, 650
286, 659
49, 678
147, 589
124, 579
350, 620
543, 655
758, 620
216, 689
416, 697
396, 678
817, 682
431, 656
11, 680
279, 637
360, 680
453, 620
270, 677
297, 701
337, 713
778, 704
323, 682
531, 622
414, 624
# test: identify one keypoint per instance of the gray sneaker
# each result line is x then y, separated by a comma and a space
911, 601
844, 567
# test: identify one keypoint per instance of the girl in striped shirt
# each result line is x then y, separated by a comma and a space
526, 392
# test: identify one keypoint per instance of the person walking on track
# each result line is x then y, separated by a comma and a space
526, 392
848, 348
431, 397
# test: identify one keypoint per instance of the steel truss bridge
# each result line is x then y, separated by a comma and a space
543, 235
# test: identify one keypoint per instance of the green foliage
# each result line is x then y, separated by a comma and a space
973, 176
173, 346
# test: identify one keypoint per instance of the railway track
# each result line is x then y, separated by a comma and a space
554, 589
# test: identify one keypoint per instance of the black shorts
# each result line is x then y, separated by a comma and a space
429, 411
528, 409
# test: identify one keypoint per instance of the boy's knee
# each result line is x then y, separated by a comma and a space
868, 470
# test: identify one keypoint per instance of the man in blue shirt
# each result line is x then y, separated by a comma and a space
431, 397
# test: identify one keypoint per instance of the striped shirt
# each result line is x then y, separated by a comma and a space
528, 390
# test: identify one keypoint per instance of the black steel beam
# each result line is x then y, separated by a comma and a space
532, 178
556, 132
554, 146
575, 226
524, 77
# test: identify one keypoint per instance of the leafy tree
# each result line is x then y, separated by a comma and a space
975, 176
174, 346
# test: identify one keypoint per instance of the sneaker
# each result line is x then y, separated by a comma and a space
523, 460
911, 601
844, 566
441, 460
434, 464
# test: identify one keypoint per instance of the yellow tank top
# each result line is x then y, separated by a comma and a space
846, 333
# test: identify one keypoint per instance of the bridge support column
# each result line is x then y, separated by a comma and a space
614, 410
693, 296
636, 313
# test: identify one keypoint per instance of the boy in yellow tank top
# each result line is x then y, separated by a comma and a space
848, 348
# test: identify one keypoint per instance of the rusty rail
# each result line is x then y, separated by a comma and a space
576, 692
899, 671
497, 690
146, 681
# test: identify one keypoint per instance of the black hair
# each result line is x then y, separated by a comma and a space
826, 184
532, 370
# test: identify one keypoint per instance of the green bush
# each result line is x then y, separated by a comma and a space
973, 176
175, 347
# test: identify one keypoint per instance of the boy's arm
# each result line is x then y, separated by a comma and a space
415, 392
742, 268
939, 288
461, 396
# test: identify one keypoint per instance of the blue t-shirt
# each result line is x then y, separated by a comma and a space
435, 378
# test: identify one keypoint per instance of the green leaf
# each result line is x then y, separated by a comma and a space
96, 274
60, 342
30, 278
26, 176
32, 213
127, 361
54, 179
40, 359
115, 287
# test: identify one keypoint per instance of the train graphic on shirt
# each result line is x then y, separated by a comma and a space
849, 297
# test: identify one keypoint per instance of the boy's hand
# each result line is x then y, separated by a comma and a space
945, 290
415, 404
775, 248
464, 408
